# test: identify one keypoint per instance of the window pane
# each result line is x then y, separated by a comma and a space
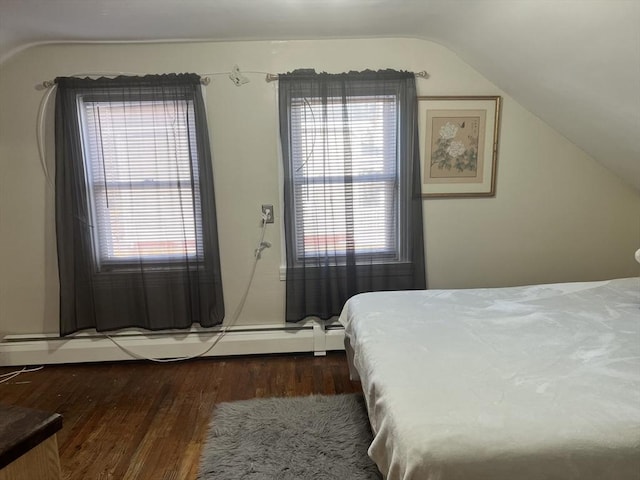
362, 131
139, 141
143, 222
334, 218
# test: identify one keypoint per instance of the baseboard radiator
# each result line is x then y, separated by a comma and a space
45, 349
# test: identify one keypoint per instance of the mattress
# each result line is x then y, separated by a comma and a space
535, 382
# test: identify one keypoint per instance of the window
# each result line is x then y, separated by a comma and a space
352, 202
139, 159
344, 166
136, 225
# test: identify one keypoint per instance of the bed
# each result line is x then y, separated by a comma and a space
528, 383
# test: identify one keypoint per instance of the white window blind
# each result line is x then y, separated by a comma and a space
141, 165
344, 164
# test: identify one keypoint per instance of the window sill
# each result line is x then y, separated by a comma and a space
401, 265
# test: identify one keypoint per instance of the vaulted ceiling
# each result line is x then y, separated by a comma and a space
574, 63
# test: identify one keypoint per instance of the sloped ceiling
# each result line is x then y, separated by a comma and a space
574, 63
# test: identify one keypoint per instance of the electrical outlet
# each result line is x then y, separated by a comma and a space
268, 211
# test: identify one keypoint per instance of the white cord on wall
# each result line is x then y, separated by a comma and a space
40, 134
236, 314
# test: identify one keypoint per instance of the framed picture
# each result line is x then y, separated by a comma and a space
459, 145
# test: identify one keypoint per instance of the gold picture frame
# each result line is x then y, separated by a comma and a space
459, 145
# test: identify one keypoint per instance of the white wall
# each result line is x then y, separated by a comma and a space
557, 216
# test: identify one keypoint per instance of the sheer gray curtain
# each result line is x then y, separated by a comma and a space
135, 212
352, 199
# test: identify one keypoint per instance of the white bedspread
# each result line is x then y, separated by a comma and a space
522, 383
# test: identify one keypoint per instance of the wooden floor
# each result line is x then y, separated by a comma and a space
140, 420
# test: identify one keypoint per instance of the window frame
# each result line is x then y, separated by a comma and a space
180, 261
395, 255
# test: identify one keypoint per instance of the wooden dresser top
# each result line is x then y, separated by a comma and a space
21, 429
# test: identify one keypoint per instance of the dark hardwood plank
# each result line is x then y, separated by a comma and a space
143, 420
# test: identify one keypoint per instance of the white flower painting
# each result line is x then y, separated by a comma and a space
455, 148
448, 131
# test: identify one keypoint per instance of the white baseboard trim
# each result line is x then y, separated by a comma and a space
45, 349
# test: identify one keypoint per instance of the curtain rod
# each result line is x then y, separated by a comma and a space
204, 80
272, 77
51, 83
